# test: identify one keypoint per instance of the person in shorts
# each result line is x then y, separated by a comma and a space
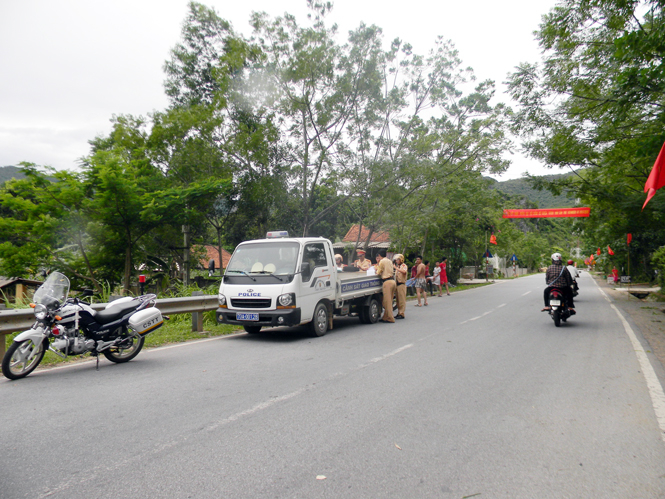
420, 281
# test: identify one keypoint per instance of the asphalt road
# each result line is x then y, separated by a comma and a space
476, 395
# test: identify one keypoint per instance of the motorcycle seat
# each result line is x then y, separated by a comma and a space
115, 313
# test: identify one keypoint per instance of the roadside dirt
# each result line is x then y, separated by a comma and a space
647, 314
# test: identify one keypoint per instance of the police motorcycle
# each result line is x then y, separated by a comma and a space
69, 326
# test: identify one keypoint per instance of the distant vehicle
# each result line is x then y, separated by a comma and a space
284, 281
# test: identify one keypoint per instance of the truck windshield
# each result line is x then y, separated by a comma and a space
278, 258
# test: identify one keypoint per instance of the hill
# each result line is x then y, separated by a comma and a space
9, 172
544, 199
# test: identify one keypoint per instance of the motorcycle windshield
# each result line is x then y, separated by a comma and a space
54, 289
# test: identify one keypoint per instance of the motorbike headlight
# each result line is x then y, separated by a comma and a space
287, 300
222, 301
40, 312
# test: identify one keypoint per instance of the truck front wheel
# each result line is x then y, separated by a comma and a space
319, 324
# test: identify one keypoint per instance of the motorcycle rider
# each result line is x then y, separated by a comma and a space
557, 276
574, 274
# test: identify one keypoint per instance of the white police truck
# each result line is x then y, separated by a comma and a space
289, 281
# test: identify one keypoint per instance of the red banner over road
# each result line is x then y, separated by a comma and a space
547, 213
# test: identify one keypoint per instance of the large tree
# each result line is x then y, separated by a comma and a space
597, 106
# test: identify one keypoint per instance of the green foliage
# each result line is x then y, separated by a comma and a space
596, 106
658, 260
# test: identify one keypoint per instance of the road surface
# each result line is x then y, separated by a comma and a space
476, 395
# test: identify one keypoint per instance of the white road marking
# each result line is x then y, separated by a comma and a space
524, 294
474, 318
653, 385
502, 305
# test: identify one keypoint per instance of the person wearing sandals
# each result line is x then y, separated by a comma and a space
420, 281
401, 270
443, 277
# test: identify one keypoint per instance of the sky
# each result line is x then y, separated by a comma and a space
68, 66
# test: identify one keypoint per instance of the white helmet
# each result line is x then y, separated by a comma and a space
556, 257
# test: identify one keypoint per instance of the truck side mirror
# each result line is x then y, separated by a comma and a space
305, 270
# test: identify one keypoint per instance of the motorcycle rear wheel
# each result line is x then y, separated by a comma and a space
120, 354
556, 315
16, 365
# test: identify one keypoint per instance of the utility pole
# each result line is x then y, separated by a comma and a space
185, 259
487, 261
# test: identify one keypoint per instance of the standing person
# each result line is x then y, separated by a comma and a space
362, 263
421, 281
436, 279
615, 273
428, 277
401, 271
385, 272
211, 267
443, 276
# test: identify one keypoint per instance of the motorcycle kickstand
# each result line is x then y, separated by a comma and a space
97, 362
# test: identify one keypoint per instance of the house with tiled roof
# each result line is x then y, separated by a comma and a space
379, 240
212, 252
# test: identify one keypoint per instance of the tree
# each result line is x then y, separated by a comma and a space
596, 106
320, 86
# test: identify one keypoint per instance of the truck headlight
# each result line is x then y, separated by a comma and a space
40, 312
286, 301
222, 301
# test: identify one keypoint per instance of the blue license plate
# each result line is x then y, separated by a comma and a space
247, 317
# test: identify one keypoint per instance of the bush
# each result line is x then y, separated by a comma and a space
658, 261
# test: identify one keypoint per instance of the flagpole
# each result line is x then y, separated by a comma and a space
487, 278
630, 281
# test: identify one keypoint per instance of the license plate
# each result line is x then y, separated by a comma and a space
247, 317
555, 303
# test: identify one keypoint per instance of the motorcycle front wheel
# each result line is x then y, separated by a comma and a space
126, 351
17, 362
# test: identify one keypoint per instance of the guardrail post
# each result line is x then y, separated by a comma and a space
197, 317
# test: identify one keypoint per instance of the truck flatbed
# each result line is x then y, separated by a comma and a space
357, 284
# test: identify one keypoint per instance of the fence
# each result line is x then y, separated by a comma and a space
21, 319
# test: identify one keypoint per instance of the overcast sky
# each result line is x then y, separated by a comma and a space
67, 66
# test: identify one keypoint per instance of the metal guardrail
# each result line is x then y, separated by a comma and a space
13, 320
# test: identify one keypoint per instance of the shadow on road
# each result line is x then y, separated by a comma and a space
300, 333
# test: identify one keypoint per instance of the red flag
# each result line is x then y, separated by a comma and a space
591, 257
609, 250
598, 252
630, 238
656, 178
493, 239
